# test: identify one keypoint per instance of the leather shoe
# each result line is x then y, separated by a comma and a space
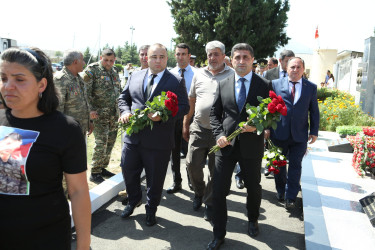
215, 244
208, 213
197, 203
129, 209
266, 172
239, 183
253, 229
96, 178
280, 197
174, 188
150, 220
106, 173
290, 204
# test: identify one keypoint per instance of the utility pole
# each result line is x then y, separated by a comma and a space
131, 39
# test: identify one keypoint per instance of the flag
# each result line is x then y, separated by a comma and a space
316, 33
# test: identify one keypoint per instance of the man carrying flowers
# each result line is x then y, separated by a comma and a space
300, 125
150, 146
228, 110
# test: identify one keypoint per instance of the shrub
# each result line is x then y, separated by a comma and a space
348, 130
324, 93
119, 67
340, 111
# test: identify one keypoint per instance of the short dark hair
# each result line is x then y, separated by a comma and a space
242, 46
158, 45
143, 47
14, 136
274, 60
108, 52
183, 46
38, 63
286, 53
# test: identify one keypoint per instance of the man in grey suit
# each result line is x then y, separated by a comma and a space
149, 148
280, 71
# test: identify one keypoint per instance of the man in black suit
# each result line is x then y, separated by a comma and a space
149, 148
227, 112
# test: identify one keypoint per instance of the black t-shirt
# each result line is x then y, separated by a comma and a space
51, 144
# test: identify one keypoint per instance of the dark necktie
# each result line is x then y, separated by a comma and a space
149, 86
182, 73
293, 91
242, 95
284, 73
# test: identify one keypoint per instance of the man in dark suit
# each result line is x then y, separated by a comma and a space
149, 148
227, 112
277, 73
292, 133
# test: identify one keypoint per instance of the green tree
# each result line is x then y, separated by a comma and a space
171, 59
260, 23
119, 53
58, 54
87, 56
130, 54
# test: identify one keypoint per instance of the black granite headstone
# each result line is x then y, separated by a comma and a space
341, 145
368, 204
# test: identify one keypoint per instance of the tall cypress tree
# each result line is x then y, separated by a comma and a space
260, 23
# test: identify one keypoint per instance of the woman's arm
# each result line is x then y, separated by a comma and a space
81, 207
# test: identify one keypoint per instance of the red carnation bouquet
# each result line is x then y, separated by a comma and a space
274, 158
162, 105
265, 115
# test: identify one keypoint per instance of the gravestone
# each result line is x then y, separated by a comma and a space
368, 204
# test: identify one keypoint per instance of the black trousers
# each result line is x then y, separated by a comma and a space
176, 152
155, 162
250, 169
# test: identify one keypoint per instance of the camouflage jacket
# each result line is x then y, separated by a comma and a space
73, 99
103, 89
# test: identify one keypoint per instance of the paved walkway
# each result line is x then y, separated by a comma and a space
180, 227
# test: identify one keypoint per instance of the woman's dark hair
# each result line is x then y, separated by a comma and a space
13, 136
38, 63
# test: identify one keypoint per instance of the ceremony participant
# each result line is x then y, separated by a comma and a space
292, 133
278, 72
149, 148
228, 110
272, 63
262, 66
199, 132
103, 89
183, 69
52, 146
73, 93
192, 60
281, 70
328, 75
143, 60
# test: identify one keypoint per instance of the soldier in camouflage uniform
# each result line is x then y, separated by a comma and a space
73, 99
103, 90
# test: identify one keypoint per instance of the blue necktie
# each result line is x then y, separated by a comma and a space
242, 95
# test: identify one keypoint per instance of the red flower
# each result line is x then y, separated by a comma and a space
271, 107
284, 111
280, 99
279, 107
172, 103
272, 94
277, 171
275, 163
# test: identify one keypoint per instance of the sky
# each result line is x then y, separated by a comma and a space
61, 25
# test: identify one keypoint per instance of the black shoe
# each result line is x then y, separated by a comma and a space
290, 204
215, 244
129, 209
239, 183
150, 220
266, 172
96, 178
197, 203
208, 213
253, 229
280, 197
106, 173
174, 188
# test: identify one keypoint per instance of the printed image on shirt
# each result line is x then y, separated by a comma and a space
15, 146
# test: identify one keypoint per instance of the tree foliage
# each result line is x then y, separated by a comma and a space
260, 23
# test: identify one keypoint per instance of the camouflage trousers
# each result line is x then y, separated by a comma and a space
105, 132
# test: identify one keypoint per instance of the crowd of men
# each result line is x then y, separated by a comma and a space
211, 103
